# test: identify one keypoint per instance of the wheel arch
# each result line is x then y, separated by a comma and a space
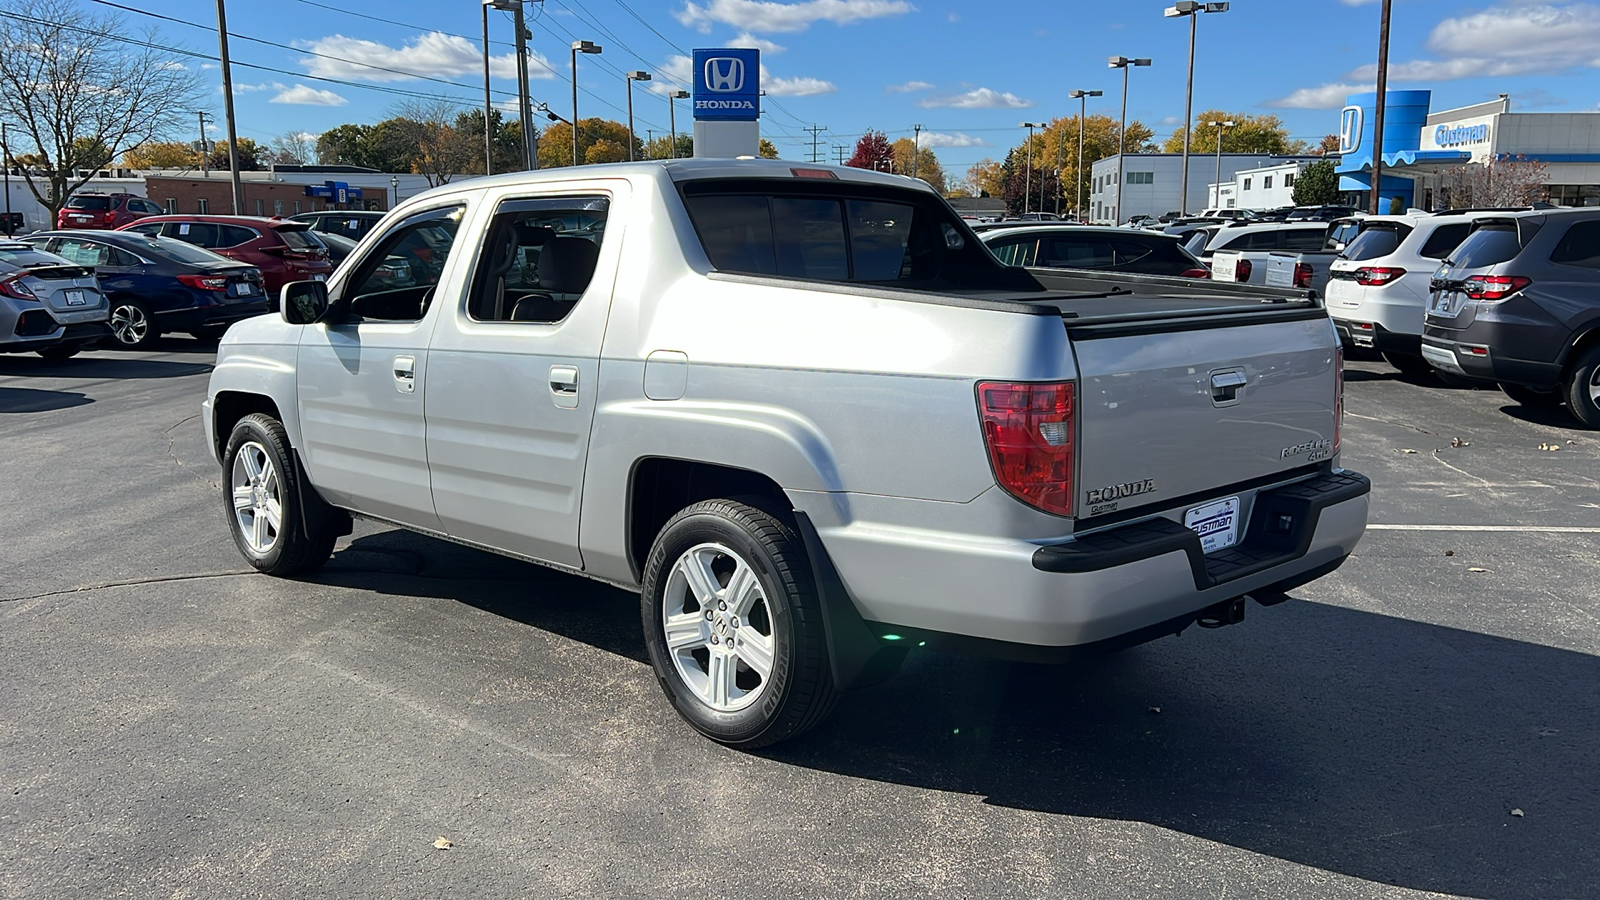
1588, 335
660, 486
228, 407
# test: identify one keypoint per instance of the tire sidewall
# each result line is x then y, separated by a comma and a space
249, 430
745, 725
1578, 400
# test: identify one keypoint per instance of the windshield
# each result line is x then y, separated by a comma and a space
1486, 247
95, 203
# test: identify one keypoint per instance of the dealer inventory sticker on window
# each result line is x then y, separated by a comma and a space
1217, 524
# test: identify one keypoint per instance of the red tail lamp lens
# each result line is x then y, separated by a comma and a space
1028, 429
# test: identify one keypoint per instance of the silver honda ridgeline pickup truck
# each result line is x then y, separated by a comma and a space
804, 413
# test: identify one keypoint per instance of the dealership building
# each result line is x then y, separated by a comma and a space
1152, 182
1420, 147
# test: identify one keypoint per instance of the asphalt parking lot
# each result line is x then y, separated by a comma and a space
1424, 721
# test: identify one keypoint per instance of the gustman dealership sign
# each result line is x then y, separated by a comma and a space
1461, 135
727, 84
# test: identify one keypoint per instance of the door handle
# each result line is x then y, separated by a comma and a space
405, 374
564, 386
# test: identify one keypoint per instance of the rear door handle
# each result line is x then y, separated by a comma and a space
564, 386
405, 374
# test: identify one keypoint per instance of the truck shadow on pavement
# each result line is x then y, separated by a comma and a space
1380, 748
33, 400
100, 367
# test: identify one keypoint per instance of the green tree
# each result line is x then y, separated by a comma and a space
555, 144
661, 147
927, 167
505, 136
1249, 134
250, 156
1316, 185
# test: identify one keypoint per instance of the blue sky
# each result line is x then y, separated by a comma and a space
968, 72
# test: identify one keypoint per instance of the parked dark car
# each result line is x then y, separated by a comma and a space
350, 223
284, 250
93, 209
1320, 213
158, 285
1094, 247
1518, 302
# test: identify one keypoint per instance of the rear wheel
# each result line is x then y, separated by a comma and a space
264, 499
133, 327
1407, 363
733, 624
1528, 396
1582, 388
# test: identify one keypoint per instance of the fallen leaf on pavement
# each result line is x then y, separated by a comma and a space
1476, 569
1458, 442
1408, 451
1517, 812
444, 843
1449, 553
1155, 709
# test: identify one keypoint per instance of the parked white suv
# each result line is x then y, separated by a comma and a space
1378, 287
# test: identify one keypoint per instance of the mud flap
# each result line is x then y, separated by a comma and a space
856, 656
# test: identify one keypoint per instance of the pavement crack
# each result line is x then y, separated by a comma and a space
172, 453
133, 582
1416, 428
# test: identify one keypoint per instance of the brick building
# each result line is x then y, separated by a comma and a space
262, 197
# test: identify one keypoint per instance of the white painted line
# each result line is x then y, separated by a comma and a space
1525, 529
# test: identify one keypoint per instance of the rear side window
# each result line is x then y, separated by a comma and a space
1303, 238
100, 204
1487, 246
821, 238
1346, 233
201, 234
1444, 239
1375, 241
1580, 246
1018, 252
152, 229
233, 235
1261, 240
300, 238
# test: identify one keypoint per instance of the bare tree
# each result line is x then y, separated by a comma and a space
82, 95
294, 148
441, 150
1517, 181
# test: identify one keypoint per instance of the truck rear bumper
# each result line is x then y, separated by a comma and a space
1120, 585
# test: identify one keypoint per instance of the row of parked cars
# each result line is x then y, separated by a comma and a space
120, 275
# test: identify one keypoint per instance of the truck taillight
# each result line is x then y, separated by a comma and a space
1302, 275
1028, 429
1377, 276
1494, 287
1241, 270
1338, 397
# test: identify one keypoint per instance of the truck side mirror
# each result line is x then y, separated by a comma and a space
305, 302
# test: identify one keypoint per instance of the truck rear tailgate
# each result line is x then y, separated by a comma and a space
1182, 412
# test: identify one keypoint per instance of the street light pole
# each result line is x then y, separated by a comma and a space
1192, 10
1377, 116
578, 47
1123, 63
1083, 110
1027, 153
5, 159
394, 185
672, 117
916, 147
629, 79
1220, 126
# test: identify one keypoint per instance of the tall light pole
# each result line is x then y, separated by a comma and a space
227, 107
1123, 63
1377, 113
629, 79
1220, 127
578, 47
488, 103
1027, 153
1083, 110
1192, 9
916, 147
672, 117
5, 160
394, 185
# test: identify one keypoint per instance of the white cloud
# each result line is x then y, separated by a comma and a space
938, 140
978, 98
1513, 38
909, 87
747, 39
241, 88
432, 54
765, 15
1327, 96
678, 73
307, 96
796, 87
1171, 121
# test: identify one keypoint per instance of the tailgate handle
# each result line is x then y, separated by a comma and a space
1225, 386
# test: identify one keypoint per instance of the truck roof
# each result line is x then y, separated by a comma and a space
680, 170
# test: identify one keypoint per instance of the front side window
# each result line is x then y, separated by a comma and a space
537, 259
84, 253
396, 280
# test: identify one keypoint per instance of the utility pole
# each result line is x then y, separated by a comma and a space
1377, 117
227, 107
488, 105
205, 165
916, 148
5, 160
838, 150
815, 130
530, 147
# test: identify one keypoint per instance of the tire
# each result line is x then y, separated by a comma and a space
133, 326
1534, 397
262, 482
1582, 388
775, 621
56, 354
1407, 363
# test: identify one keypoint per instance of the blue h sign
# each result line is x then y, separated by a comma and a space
727, 85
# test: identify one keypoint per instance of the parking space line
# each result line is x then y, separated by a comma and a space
1529, 529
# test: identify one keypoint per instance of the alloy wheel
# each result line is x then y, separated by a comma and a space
257, 497
718, 627
129, 324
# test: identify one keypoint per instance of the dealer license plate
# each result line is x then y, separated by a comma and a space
246, 289
1445, 305
75, 298
1217, 523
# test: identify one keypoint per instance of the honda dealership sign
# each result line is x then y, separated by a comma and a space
727, 85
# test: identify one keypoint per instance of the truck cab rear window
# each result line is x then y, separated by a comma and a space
820, 238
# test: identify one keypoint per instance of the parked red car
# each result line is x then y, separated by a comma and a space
93, 209
283, 250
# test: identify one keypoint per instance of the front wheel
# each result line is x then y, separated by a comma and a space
1582, 388
733, 625
265, 501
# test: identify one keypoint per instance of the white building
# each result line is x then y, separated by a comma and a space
1152, 182
1265, 187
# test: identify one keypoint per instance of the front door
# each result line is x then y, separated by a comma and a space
513, 371
364, 375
